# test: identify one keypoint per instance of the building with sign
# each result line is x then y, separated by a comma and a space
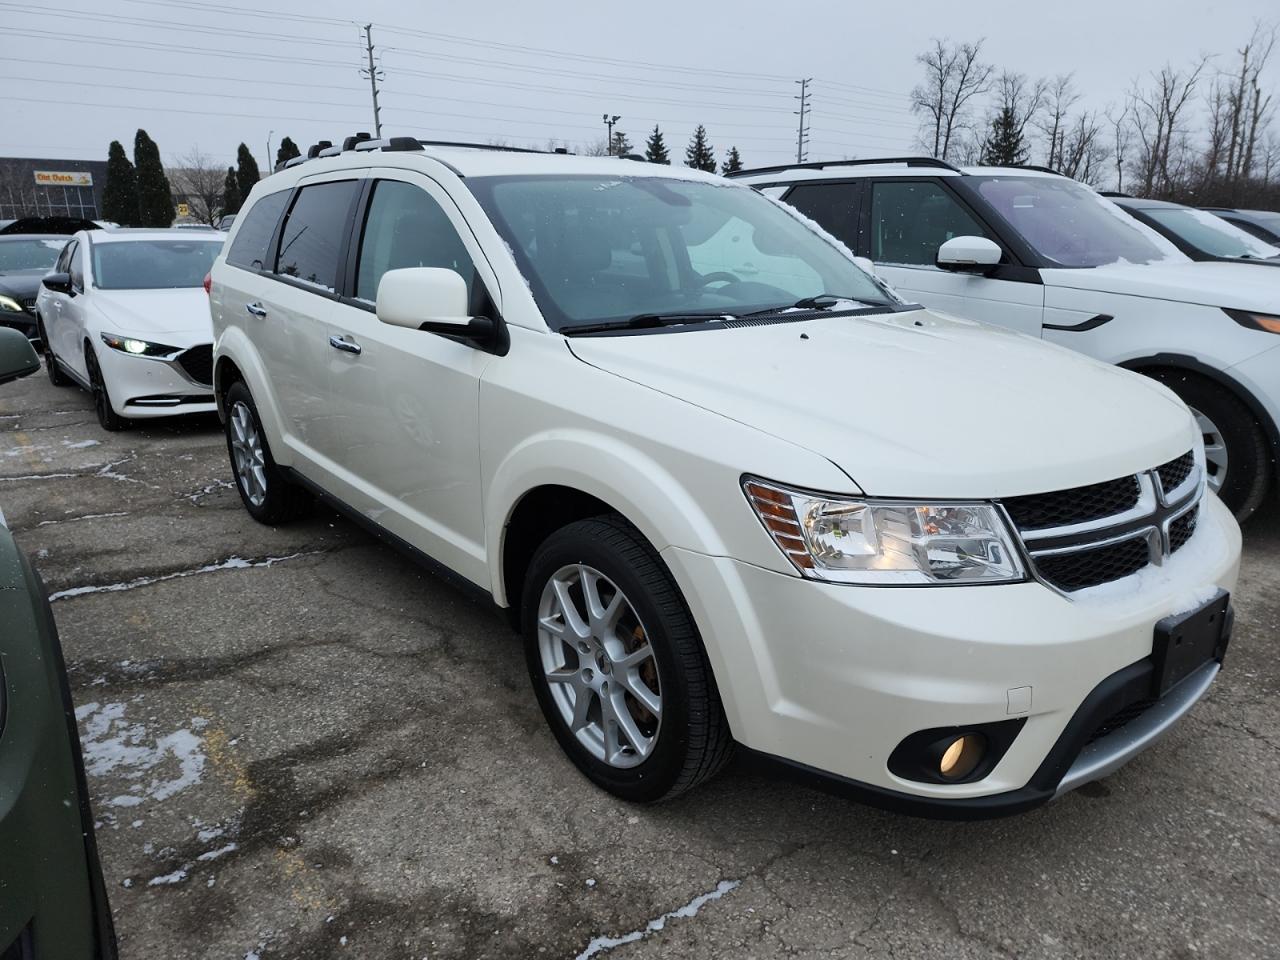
51, 188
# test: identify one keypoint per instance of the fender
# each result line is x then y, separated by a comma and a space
239, 349
1227, 382
632, 483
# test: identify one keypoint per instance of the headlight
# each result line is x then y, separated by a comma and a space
139, 348
849, 540
1254, 320
9, 305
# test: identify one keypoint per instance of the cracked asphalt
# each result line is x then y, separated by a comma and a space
300, 745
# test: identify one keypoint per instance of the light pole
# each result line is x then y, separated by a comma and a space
608, 123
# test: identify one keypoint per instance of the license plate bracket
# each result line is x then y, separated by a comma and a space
1186, 641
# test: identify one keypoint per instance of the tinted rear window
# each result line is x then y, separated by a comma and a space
313, 233
249, 249
831, 206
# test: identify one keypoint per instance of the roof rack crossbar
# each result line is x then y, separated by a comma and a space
502, 148
868, 161
350, 142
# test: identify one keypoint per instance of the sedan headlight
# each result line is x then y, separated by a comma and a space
139, 348
885, 542
9, 305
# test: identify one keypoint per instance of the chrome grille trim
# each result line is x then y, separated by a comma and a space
1150, 519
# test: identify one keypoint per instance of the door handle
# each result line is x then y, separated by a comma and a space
256, 309
345, 344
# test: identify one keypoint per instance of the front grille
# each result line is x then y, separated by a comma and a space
1122, 716
1180, 530
198, 362
1087, 536
28, 304
1091, 567
1040, 511
1174, 473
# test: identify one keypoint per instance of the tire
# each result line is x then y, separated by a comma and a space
107, 416
56, 376
1241, 480
688, 739
265, 492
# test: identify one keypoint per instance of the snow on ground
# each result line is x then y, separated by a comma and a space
157, 768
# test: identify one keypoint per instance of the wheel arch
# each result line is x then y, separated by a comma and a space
1181, 362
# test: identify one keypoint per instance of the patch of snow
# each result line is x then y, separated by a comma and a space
168, 879
220, 852
231, 563
114, 746
87, 516
80, 444
604, 944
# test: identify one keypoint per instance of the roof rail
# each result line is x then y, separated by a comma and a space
350, 142
868, 161
362, 142
478, 146
1034, 167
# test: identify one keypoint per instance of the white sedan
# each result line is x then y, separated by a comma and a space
124, 315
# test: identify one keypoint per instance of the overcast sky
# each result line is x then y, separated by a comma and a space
81, 73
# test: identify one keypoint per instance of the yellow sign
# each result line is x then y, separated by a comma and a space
59, 178
184, 210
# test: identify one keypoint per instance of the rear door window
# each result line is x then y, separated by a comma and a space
249, 250
910, 220
313, 232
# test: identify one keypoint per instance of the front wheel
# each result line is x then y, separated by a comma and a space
1235, 450
107, 416
56, 376
617, 664
266, 494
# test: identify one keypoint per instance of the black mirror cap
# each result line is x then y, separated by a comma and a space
57, 282
17, 357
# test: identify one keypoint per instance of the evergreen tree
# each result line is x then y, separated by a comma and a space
246, 171
287, 151
155, 197
621, 146
231, 193
655, 148
699, 153
1004, 145
120, 191
732, 162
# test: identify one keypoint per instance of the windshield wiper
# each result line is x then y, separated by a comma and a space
643, 321
822, 301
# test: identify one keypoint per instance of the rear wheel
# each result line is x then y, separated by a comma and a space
107, 416
266, 494
1235, 449
617, 663
56, 376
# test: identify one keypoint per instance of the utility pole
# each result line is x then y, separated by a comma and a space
270, 166
802, 134
609, 122
374, 75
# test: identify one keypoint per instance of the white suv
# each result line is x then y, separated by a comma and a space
729, 487
1037, 252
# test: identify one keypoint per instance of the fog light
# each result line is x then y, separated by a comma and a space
961, 756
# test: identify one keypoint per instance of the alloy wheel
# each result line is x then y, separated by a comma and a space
1215, 450
599, 666
247, 454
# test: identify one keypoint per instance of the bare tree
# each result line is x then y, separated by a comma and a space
1060, 97
1121, 140
198, 181
954, 76
1159, 123
596, 148
1083, 154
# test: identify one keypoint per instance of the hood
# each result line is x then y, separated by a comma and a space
22, 284
151, 313
1210, 283
915, 404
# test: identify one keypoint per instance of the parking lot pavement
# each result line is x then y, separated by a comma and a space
302, 746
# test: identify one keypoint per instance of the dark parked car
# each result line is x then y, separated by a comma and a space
1263, 224
53, 902
1199, 234
24, 259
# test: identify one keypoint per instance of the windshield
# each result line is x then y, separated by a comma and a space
1070, 225
30, 254
1211, 234
152, 264
598, 249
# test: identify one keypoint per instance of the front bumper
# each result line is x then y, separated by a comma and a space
827, 679
142, 387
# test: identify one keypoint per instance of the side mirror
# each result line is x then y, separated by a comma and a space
57, 282
969, 255
434, 299
17, 356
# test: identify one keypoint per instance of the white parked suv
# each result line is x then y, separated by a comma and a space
728, 487
123, 315
1037, 252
